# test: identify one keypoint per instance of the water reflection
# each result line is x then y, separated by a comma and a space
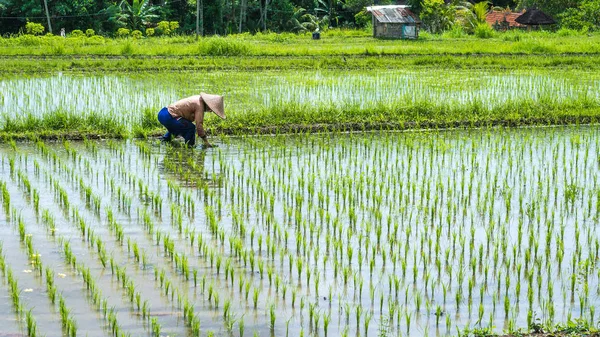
187, 166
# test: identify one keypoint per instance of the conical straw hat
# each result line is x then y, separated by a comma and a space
214, 103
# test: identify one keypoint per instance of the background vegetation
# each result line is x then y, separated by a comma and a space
166, 17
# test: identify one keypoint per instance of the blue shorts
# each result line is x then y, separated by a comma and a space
177, 127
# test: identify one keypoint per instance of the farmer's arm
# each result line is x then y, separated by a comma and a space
199, 120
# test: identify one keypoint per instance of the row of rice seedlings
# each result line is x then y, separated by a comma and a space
167, 285
460, 236
270, 269
127, 283
182, 260
284, 295
35, 260
388, 227
129, 286
101, 304
68, 322
353, 91
18, 306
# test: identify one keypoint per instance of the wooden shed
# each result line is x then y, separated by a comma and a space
394, 21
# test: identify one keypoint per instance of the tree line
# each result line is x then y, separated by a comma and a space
235, 16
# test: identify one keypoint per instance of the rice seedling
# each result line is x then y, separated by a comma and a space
255, 294
272, 317
155, 327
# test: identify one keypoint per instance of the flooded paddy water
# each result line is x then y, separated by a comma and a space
361, 234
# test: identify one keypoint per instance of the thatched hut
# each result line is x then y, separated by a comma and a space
535, 18
394, 21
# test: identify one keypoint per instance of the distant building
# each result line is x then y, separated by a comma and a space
395, 22
503, 20
535, 18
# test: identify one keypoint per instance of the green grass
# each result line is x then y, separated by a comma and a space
333, 42
338, 49
297, 119
94, 64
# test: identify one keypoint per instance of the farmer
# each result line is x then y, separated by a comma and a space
178, 117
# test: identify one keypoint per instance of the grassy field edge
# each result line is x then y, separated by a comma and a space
215, 131
19, 66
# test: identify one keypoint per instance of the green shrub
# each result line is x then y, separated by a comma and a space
483, 31
456, 32
425, 35
95, 40
77, 33
362, 18
90, 32
166, 27
127, 48
162, 28
33, 28
219, 46
149, 31
29, 40
136, 34
584, 18
122, 32
58, 49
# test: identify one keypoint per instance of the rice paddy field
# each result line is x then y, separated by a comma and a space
386, 195
125, 104
375, 233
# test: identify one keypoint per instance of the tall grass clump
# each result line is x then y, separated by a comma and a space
220, 46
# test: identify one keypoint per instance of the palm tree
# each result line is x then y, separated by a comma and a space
480, 10
135, 15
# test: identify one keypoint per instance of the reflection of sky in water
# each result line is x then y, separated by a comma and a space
443, 190
128, 95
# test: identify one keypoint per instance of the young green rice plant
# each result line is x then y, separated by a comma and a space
14, 291
226, 309
326, 321
2, 261
155, 327
31, 324
216, 299
255, 294
272, 317
241, 328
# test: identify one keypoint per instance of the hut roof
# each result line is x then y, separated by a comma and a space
393, 14
535, 17
494, 17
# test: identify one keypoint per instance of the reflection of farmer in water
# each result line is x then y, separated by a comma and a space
179, 117
188, 168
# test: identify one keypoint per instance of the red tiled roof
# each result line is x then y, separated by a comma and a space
496, 16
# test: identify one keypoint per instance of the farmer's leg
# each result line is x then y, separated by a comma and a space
165, 118
188, 131
183, 127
